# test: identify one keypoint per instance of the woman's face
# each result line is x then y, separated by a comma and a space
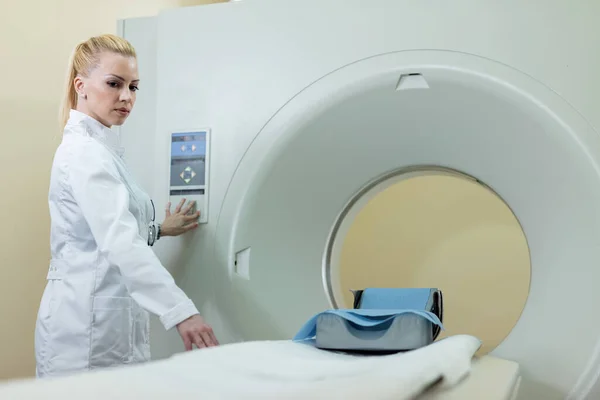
108, 93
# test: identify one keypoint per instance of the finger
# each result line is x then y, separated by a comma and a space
199, 341
188, 207
168, 209
190, 227
207, 339
178, 208
193, 217
187, 342
214, 337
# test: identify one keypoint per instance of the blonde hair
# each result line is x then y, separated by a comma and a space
84, 58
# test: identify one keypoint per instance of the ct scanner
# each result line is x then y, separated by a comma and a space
308, 105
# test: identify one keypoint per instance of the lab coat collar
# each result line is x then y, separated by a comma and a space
97, 130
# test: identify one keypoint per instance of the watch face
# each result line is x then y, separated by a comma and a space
151, 234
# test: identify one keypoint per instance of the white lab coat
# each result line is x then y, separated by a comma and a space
103, 277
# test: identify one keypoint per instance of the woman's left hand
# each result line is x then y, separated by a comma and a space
179, 222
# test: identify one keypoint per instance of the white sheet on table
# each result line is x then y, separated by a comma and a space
265, 370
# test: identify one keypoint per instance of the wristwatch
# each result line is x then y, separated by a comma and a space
153, 234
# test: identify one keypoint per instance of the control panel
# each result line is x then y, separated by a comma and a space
189, 170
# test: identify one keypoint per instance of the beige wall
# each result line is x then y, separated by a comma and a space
445, 232
36, 38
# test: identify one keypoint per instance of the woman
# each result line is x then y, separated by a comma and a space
104, 277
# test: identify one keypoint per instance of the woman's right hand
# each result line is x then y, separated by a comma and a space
195, 331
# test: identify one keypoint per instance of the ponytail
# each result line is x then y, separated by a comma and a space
69, 100
84, 58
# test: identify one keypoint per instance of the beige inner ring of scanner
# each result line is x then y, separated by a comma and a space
440, 230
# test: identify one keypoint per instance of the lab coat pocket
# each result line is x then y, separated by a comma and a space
111, 332
141, 334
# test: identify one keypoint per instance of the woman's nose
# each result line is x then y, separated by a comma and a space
125, 95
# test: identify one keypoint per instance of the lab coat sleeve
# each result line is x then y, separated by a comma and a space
104, 201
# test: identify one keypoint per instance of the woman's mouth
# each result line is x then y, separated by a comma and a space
123, 111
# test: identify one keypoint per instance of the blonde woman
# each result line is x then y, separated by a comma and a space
104, 278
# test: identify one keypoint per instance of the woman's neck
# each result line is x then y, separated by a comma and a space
85, 110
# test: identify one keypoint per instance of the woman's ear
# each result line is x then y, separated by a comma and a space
79, 85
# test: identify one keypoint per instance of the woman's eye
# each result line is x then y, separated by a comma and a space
134, 88
113, 84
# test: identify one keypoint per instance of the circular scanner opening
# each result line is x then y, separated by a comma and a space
437, 229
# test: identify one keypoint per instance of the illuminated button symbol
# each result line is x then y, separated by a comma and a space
187, 174
183, 148
193, 147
